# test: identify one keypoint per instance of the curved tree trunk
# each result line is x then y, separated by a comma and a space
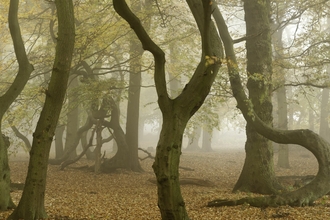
176, 112
24, 71
306, 195
31, 205
121, 159
258, 173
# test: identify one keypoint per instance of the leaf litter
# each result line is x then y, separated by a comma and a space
79, 194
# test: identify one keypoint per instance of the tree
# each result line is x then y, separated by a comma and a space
31, 205
258, 171
24, 71
177, 112
306, 195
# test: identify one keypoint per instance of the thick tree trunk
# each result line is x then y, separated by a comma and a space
166, 166
258, 171
31, 205
306, 138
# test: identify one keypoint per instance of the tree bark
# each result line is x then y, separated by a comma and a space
31, 205
306, 195
133, 102
24, 71
258, 174
207, 140
176, 112
72, 122
282, 106
324, 122
193, 139
59, 150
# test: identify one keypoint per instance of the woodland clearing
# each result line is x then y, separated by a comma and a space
80, 194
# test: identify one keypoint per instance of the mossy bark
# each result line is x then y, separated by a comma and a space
320, 148
176, 112
258, 171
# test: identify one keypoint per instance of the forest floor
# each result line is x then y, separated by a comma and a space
80, 194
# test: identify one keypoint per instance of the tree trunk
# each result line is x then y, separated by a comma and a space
31, 205
324, 123
306, 195
72, 122
133, 103
176, 112
194, 139
120, 160
258, 174
97, 150
207, 140
59, 151
166, 166
24, 71
5, 198
282, 106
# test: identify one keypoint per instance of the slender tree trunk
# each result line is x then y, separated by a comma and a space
258, 171
207, 140
324, 122
24, 71
133, 105
311, 119
193, 139
72, 122
283, 151
59, 150
31, 205
282, 106
97, 150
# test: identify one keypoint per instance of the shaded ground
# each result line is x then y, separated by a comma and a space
78, 194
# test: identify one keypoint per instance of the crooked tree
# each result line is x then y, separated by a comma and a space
320, 148
31, 205
24, 71
177, 112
